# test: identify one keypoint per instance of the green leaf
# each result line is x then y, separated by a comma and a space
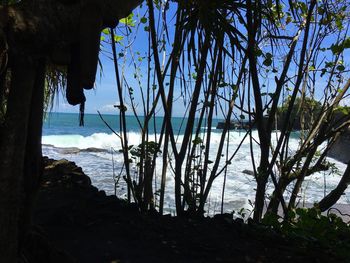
329, 64
197, 141
157, 3
234, 87
339, 47
105, 31
268, 59
143, 20
320, 10
128, 21
341, 67
339, 23
267, 62
288, 19
336, 49
258, 52
118, 39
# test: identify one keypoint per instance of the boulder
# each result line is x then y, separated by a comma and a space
340, 149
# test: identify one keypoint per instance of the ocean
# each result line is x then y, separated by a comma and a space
96, 149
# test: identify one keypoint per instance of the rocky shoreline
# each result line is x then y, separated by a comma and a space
82, 224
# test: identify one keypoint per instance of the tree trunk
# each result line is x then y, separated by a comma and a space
148, 191
34, 29
33, 157
262, 176
12, 153
260, 194
178, 173
275, 199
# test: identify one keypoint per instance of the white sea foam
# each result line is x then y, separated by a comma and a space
239, 186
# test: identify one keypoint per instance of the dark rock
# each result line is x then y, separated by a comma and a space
93, 227
101, 193
239, 221
248, 172
68, 150
65, 173
235, 125
37, 248
340, 149
94, 150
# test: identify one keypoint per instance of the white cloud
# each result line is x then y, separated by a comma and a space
111, 108
108, 108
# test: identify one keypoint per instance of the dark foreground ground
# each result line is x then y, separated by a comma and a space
77, 223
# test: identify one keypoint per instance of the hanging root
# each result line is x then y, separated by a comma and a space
81, 114
74, 93
90, 33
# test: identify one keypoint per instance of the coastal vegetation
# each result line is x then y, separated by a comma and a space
274, 64
281, 65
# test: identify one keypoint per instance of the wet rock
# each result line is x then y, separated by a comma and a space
248, 172
64, 172
94, 150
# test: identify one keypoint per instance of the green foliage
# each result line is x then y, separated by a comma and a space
128, 21
204, 31
197, 141
118, 39
345, 110
143, 20
306, 106
268, 59
308, 103
309, 228
341, 46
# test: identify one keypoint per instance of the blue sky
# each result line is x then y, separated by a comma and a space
105, 96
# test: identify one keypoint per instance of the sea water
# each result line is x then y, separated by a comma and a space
95, 148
